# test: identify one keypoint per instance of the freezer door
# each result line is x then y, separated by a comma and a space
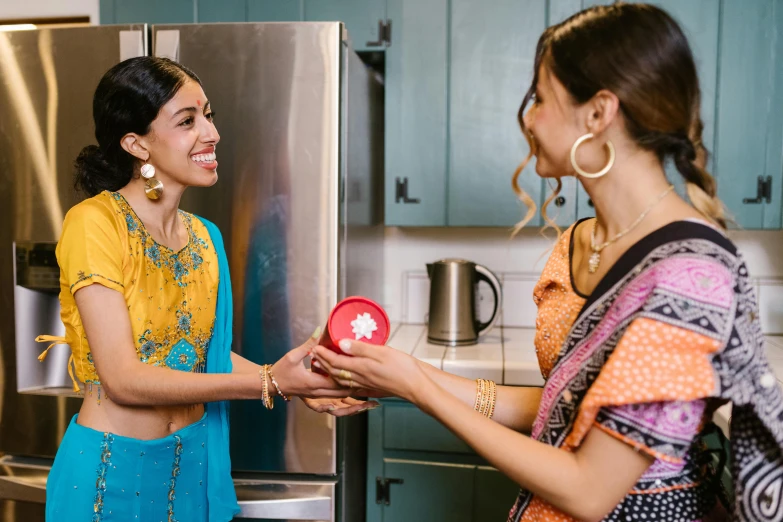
276, 91
286, 500
47, 81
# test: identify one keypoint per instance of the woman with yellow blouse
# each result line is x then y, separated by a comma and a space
148, 285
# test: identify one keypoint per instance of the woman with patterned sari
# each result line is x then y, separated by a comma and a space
148, 285
647, 319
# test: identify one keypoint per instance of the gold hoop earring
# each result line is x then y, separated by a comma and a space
591, 175
153, 188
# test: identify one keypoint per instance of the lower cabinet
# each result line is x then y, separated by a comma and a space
418, 470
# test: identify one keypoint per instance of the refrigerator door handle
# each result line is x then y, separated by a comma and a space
131, 44
167, 44
313, 508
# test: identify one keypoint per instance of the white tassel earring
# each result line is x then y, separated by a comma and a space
152, 187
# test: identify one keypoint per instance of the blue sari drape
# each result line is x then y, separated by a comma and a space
221, 495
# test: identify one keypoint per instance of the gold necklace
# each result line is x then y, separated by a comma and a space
595, 257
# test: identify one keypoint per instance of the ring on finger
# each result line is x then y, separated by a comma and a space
345, 375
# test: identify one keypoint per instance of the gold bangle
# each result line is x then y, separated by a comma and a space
479, 393
277, 387
493, 399
486, 397
268, 401
484, 391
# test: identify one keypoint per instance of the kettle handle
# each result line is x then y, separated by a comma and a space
485, 274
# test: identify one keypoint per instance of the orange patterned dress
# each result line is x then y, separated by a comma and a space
634, 360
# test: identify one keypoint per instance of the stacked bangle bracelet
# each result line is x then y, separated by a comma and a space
267, 398
486, 397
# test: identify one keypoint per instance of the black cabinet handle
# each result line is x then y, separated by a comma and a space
384, 34
560, 201
763, 192
401, 192
383, 489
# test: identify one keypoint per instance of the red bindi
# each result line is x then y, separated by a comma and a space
198, 102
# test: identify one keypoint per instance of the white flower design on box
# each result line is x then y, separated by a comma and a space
363, 326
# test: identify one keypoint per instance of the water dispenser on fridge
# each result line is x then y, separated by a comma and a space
37, 311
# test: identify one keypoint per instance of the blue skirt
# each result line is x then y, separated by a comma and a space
101, 477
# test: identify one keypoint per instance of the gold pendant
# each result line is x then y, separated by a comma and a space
593, 262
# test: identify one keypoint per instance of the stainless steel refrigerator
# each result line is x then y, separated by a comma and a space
299, 202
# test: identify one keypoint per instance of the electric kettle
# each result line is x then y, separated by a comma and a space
453, 319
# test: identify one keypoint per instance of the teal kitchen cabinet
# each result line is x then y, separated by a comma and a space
492, 52
749, 140
456, 73
422, 490
147, 11
416, 114
418, 470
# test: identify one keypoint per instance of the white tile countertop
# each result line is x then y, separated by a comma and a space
507, 356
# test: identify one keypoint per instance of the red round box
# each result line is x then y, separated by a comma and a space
339, 326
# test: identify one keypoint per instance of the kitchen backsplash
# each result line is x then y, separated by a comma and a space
519, 261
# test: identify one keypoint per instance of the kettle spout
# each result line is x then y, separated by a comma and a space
429, 270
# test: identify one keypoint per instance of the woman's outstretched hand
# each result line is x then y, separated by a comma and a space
377, 370
295, 379
340, 407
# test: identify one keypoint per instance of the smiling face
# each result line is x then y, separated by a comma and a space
182, 139
553, 120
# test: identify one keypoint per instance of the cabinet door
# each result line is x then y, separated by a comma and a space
149, 11
495, 494
361, 18
748, 142
429, 491
221, 11
416, 113
275, 11
492, 55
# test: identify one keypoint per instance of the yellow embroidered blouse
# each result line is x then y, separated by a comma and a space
170, 295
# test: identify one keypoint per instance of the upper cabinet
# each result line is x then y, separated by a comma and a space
416, 115
456, 73
491, 56
749, 132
